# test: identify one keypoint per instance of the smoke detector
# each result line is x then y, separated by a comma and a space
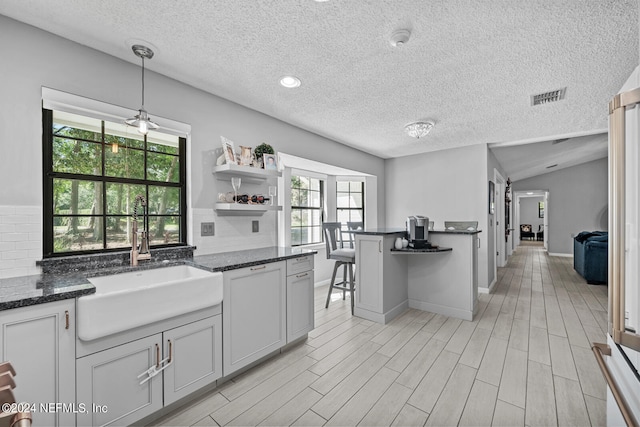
399, 37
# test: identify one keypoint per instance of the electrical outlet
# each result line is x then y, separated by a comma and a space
255, 226
208, 229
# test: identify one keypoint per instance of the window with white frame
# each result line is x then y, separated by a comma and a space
307, 203
349, 202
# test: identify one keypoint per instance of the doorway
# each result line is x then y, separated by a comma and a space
531, 208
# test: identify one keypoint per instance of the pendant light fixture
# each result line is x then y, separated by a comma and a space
142, 120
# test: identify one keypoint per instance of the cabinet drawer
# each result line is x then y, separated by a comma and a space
299, 264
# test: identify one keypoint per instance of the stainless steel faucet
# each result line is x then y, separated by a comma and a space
142, 252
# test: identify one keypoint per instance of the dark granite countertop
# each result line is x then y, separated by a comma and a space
380, 231
421, 250
455, 231
56, 285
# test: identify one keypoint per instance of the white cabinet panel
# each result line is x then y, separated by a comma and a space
39, 341
299, 264
300, 314
254, 314
110, 378
196, 357
369, 273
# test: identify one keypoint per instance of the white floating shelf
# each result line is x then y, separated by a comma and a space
244, 209
250, 173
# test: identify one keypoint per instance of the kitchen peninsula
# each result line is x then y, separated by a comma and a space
443, 281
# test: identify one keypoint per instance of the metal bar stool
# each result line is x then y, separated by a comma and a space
344, 257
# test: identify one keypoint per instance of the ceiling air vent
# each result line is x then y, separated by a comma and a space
546, 97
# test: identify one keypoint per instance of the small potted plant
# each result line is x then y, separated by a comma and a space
261, 149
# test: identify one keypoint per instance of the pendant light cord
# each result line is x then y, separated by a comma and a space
143, 82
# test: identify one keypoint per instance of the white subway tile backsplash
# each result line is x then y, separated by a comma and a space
7, 210
20, 240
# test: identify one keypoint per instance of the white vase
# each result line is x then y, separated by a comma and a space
405, 242
398, 243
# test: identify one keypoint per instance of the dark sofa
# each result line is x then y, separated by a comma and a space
590, 256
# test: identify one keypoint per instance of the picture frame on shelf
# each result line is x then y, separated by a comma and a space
270, 162
245, 156
229, 150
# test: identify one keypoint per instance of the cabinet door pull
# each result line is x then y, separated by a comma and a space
380, 246
302, 275
258, 268
66, 319
304, 258
157, 356
170, 351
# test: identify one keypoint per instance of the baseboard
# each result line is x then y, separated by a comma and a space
440, 309
560, 255
490, 288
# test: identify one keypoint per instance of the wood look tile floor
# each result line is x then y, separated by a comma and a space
525, 359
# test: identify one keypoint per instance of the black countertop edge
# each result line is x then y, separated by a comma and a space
380, 231
422, 250
385, 231
455, 231
24, 291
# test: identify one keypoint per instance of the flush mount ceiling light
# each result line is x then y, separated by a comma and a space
142, 120
418, 129
290, 82
400, 37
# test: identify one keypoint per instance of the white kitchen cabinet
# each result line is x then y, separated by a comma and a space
39, 341
196, 357
109, 378
300, 280
254, 314
381, 278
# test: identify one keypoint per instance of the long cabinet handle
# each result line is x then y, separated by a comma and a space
157, 356
258, 268
170, 351
600, 350
66, 319
304, 258
302, 275
380, 246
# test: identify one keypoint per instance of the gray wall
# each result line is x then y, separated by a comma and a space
578, 201
446, 185
32, 58
529, 212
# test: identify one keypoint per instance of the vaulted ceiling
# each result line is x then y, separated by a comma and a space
471, 67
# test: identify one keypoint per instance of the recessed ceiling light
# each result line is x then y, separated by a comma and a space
290, 81
529, 192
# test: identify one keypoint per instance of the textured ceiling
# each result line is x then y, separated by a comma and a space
469, 66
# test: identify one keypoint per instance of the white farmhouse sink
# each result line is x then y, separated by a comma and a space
129, 300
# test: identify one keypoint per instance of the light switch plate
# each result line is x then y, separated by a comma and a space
255, 226
208, 229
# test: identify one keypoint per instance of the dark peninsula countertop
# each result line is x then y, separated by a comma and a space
384, 231
56, 285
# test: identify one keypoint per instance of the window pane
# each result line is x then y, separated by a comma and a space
304, 182
315, 235
124, 135
342, 200
119, 231
304, 198
356, 186
356, 200
164, 229
121, 197
77, 233
73, 156
162, 142
162, 167
126, 163
342, 185
295, 197
295, 236
315, 217
75, 197
314, 199
343, 216
296, 218
314, 184
356, 215
164, 200
67, 124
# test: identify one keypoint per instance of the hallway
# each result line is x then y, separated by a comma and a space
525, 359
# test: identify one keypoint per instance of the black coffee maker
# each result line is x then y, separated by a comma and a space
418, 231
